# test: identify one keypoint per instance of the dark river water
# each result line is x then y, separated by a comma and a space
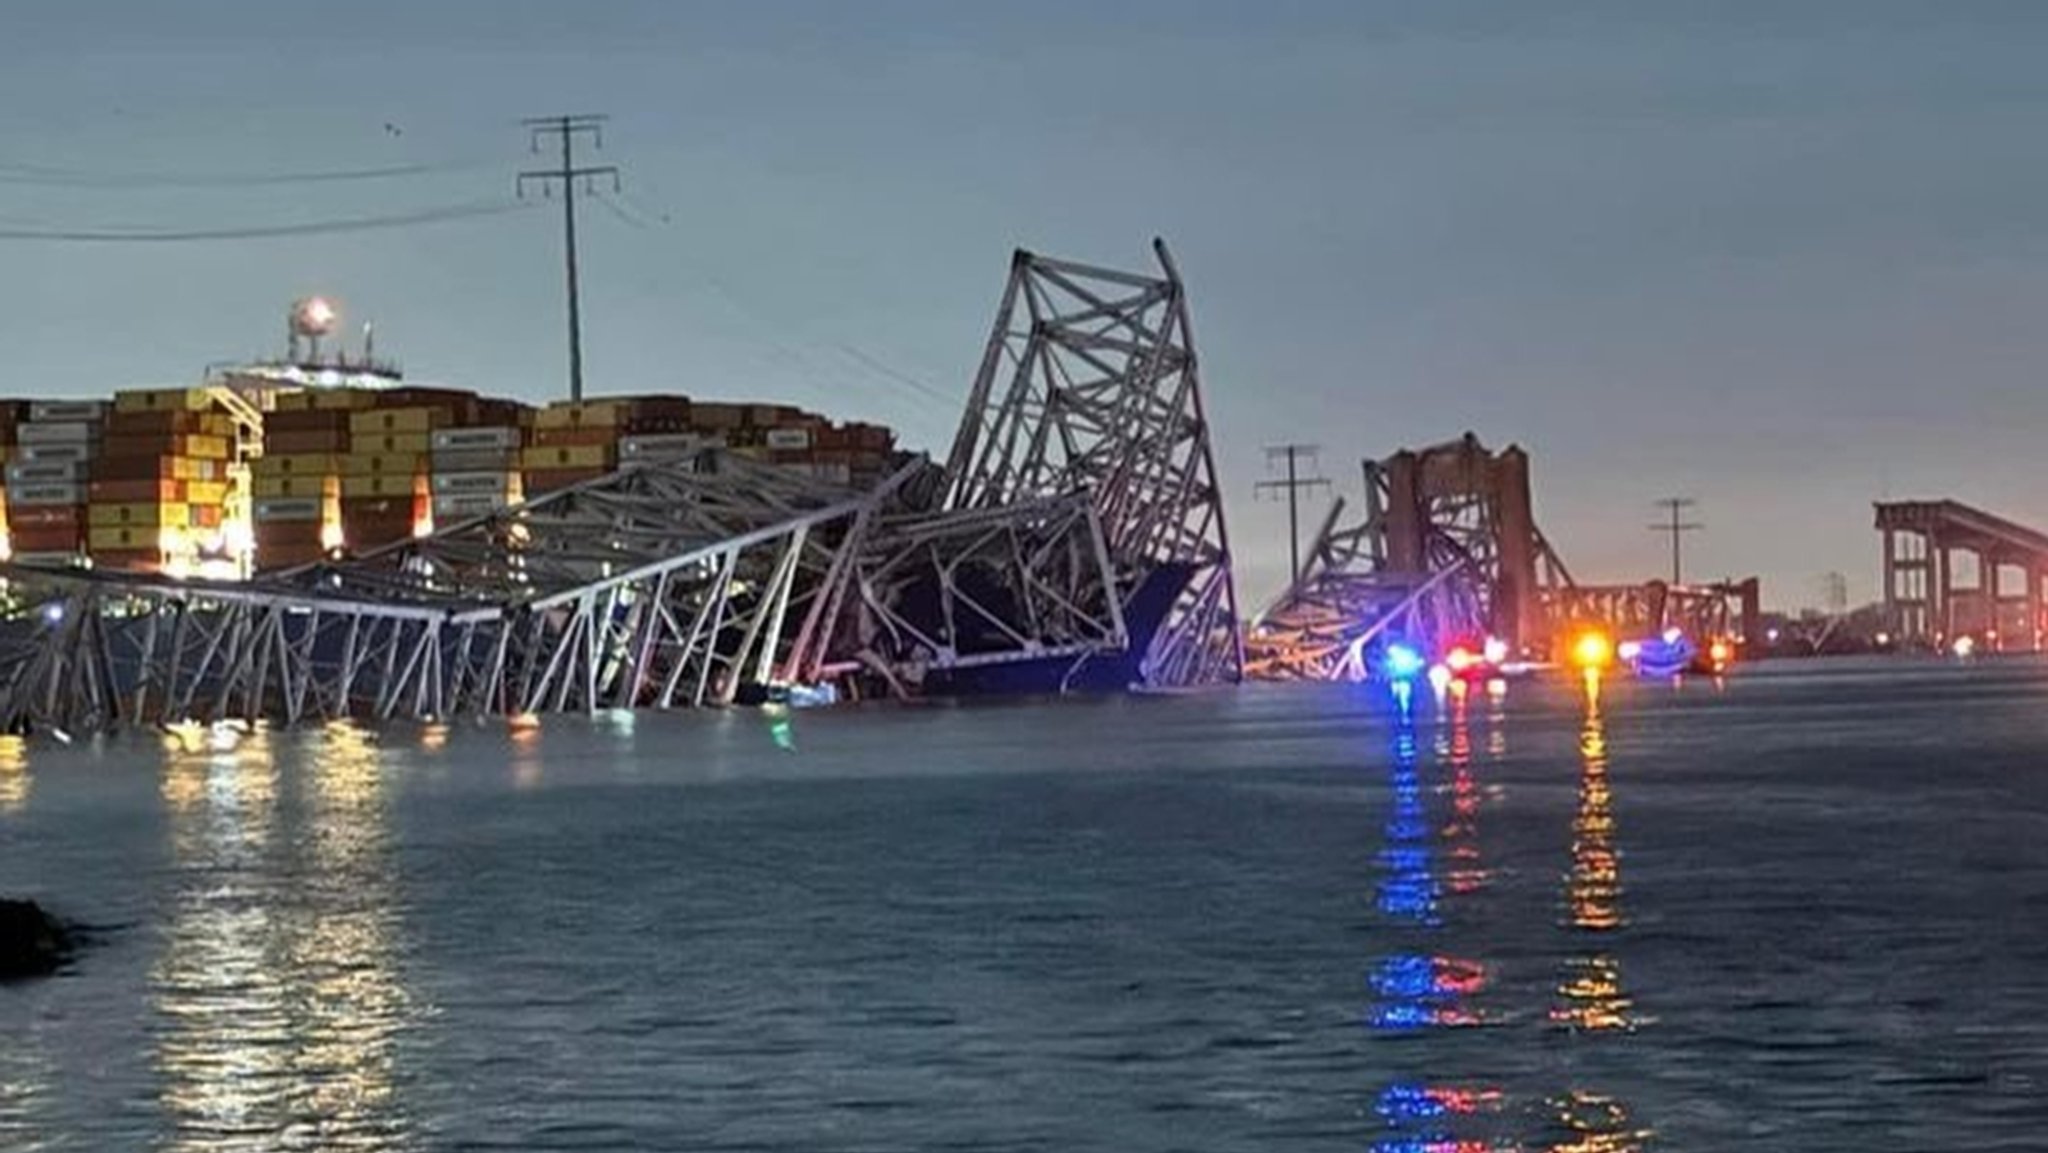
1796, 911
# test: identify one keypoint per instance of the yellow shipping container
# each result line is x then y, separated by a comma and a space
397, 420
364, 443
152, 515
355, 486
589, 414
274, 486
568, 456
207, 491
207, 447
192, 468
162, 400
293, 464
132, 537
383, 463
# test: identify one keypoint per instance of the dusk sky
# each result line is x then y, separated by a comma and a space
1786, 259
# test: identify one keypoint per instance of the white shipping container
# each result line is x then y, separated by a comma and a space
836, 472
462, 505
789, 438
30, 495
469, 439
474, 483
662, 446
48, 559
45, 470
289, 508
76, 432
68, 410
477, 460
42, 453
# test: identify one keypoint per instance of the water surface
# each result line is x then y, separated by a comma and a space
1789, 912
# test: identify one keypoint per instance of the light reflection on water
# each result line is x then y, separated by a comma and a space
15, 781
277, 1001
1424, 989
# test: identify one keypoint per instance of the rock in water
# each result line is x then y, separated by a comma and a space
32, 942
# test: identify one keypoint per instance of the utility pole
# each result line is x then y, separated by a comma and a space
1294, 455
1677, 527
565, 130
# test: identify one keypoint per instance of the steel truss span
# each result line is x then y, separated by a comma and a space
1448, 550
1090, 384
662, 585
1074, 537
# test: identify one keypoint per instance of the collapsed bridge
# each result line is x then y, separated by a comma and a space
1447, 551
1074, 535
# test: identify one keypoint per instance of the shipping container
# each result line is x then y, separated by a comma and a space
50, 452
158, 468
580, 436
57, 432
461, 506
294, 464
143, 400
65, 516
170, 423
544, 480
717, 416
412, 443
68, 411
589, 414
477, 460
383, 463
449, 440
457, 483
788, 438
50, 556
193, 444
45, 471
304, 508
162, 515
276, 486
307, 420
374, 485
45, 493
398, 420
662, 446
133, 536
591, 456
135, 491
206, 492
306, 442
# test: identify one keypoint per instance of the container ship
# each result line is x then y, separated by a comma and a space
273, 465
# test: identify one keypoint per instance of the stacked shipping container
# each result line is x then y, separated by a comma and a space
159, 487
47, 474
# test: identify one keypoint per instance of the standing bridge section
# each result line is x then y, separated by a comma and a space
1448, 551
1951, 570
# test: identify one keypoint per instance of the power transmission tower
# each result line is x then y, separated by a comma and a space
1293, 454
1677, 527
565, 130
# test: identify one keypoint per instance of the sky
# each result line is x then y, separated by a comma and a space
1783, 259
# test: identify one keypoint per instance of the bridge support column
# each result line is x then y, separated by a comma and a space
2033, 607
1941, 613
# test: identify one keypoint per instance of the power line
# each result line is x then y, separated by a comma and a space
140, 235
566, 130
49, 176
1677, 528
1293, 486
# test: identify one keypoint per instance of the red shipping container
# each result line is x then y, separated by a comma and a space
571, 437
206, 516
540, 480
136, 491
59, 538
305, 421
129, 559
318, 440
37, 516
